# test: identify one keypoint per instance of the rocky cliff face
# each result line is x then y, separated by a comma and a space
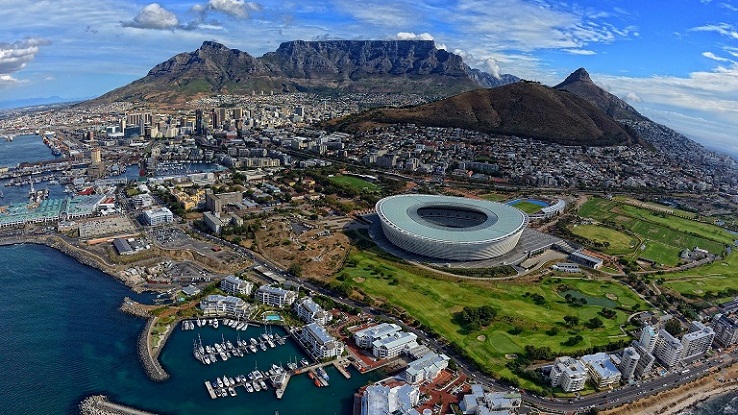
400, 66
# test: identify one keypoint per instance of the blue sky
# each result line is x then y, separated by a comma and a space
675, 61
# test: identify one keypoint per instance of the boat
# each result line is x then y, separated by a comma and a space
311, 376
323, 374
252, 348
231, 391
226, 382
304, 362
263, 384
220, 382
215, 324
263, 346
317, 383
257, 387
248, 387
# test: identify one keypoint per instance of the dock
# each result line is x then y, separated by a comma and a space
209, 387
283, 387
342, 369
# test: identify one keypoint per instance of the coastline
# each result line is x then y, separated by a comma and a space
100, 405
675, 401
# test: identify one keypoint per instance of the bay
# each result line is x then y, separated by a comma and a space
63, 339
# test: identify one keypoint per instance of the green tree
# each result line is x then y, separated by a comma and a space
674, 327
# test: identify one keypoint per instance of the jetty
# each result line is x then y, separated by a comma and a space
283, 386
342, 369
100, 405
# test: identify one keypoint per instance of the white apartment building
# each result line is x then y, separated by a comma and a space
697, 341
569, 373
493, 403
234, 285
649, 336
275, 296
382, 400
668, 349
601, 370
225, 306
320, 344
426, 368
629, 362
364, 338
394, 345
310, 312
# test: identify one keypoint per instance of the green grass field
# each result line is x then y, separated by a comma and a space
434, 300
664, 235
716, 277
527, 207
355, 183
620, 243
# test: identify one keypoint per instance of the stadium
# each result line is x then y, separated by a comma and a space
450, 228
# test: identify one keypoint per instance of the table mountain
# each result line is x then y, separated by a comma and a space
400, 66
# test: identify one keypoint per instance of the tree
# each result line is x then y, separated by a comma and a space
571, 321
594, 323
295, 269
674, 327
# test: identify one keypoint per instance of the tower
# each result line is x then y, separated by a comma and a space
648, 338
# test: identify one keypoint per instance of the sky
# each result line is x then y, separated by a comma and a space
675, 61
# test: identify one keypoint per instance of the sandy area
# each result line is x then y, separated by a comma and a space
674, 401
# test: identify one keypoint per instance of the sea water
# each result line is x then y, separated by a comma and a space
62, 338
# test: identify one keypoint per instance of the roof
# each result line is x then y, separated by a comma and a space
319, 333
380, 330
601, 364
401, 212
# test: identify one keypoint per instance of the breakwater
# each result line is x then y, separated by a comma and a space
100, 405
148, 358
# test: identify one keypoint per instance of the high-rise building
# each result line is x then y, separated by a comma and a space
668, 349
629, 362
645, 362
649, 336
199, 127
697, 341
726, 330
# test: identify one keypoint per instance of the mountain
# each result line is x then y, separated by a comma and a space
399, 66
581, 84
526, 109
660, 137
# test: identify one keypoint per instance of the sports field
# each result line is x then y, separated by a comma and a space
527, 207
617, 243
356, 183
435, 301
663, 236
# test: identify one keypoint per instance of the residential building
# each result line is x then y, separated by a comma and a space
601, 370
364, 338
320, 344
394, 345
645, 362
668, 349
227, 306
234, 285
629, 362
479, 402
379, 399
159, 216
726, 329
275, 296
697, 341
426, 368
569, 373
648, 339
310, 312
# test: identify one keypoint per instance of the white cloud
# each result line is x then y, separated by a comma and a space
580, 51
714, 57
724, 29
631, 96
154, 16
15, 56
7, 80
492, 67
236, 8
729, 7
413, 36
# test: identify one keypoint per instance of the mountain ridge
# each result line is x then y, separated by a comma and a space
410, 66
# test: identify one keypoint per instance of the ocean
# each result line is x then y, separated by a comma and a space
63, 338
721, 405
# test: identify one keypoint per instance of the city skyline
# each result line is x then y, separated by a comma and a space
675, 65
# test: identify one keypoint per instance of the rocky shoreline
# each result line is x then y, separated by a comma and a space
149, 360
100, 405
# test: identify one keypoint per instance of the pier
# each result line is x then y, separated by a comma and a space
283, 387
100, 405
210, 389
342, 369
